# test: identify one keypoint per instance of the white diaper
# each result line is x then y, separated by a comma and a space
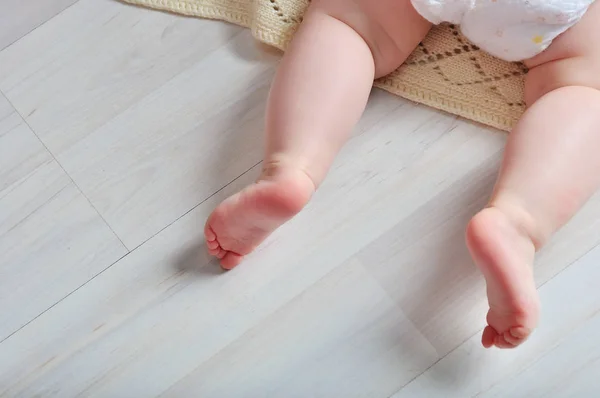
513, 30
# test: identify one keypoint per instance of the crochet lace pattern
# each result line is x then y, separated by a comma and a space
445, 72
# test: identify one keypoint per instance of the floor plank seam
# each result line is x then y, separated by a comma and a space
37, 27
411, 322
195, 206
480, 331
67, 174
63, 298
126, 254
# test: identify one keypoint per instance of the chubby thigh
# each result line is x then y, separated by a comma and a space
391, 28
573, 59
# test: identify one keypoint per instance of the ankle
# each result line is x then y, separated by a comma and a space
276, 168
292, 186
522, 220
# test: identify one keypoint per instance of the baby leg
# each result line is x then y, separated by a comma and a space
318, 95
549, 171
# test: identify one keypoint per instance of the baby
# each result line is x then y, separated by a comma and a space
551, 164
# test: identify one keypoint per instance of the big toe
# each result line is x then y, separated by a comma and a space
231, 260
489, 336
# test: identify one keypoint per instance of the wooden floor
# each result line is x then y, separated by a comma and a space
121, 129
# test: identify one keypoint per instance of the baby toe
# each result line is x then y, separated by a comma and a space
212, 245
230, 260
489, 336
215, 251
209, 234
501, 342
221, 253
520, 332
509, 338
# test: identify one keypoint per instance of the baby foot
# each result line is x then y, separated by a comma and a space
241, 222
505, 256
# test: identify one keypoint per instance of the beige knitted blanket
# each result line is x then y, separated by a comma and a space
445, 71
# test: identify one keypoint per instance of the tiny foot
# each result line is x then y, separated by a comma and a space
242, 221
505, 256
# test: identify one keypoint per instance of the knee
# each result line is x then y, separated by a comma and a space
580, 71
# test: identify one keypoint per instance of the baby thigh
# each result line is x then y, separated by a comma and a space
391, 28
552, 154
573, 59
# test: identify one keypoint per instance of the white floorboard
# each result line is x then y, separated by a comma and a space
18, 17
558, 361
51, 239
139, 106
130, 125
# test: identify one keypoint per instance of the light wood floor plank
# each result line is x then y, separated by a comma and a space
20, 17
555, 362
369, 292
141, 107
51, 239
360, 342
570, 369
122, 325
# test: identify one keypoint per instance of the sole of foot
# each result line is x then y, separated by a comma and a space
504, 254
244, 220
